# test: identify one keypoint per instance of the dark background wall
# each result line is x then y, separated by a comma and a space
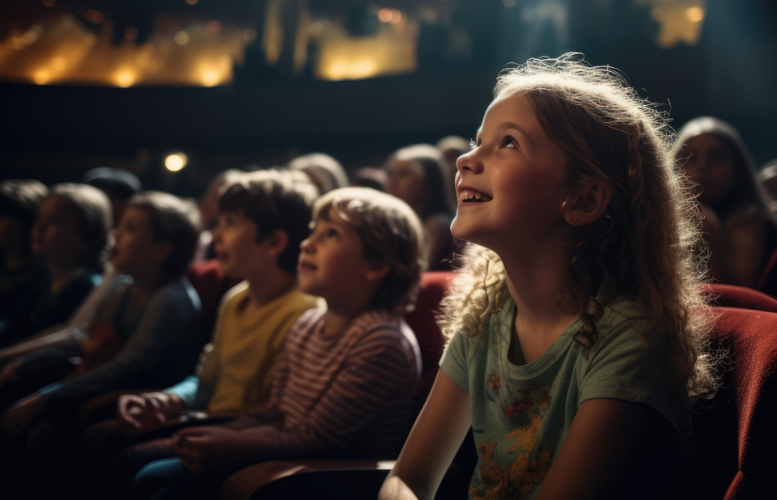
55, 133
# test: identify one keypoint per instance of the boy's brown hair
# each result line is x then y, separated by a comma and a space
391, 234
175, 220
273, 201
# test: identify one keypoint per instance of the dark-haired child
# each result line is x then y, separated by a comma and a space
22, 277
263, 218
141, 336
418, 176
739, 225
68, 236
346, 383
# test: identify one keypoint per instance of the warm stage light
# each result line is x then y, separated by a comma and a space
125, 79
694, 14
41, 77
396, 16
210, 78
59, 63
176, 162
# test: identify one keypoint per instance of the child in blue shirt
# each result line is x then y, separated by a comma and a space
575, 324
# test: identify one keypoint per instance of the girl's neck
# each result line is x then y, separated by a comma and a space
266, 288
535, 280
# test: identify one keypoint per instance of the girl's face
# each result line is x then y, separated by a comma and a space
54, 235
134, 247
710, 165
510, 188
331, 263
406, 181
238, 252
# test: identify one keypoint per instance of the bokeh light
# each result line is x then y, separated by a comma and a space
176, 162
694, 14
181, 37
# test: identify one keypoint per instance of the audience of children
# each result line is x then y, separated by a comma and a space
576, 322
417, 175
740, 228
140, 337
346, 383
68, 236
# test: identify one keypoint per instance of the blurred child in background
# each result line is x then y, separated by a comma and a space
417, 175
346, 383
22, 278
141, 336
69, 237
324, 171
740, 227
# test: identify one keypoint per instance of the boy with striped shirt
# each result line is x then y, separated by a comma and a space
346, 383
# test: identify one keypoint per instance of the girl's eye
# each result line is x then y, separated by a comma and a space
509, 142
331, 233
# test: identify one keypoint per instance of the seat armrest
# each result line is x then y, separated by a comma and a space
242, 485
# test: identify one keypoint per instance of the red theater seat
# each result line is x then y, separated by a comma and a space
741, 297
736, 435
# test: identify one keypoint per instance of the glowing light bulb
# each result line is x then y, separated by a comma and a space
41, 77
210, 77
125, 79
176, 162
396, 16
694, 14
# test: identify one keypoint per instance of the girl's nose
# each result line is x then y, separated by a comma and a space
307, 245
469, 162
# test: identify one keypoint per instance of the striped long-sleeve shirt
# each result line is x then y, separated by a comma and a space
349, 394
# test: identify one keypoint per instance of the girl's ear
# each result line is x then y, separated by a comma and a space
276, 242
586, 202
377, 272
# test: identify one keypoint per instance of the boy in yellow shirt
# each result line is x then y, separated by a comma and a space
263, 217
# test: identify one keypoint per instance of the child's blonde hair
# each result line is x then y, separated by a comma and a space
391, 234
644, 243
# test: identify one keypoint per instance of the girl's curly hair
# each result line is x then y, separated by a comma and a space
644, 243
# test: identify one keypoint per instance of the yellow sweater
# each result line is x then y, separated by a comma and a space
240, 362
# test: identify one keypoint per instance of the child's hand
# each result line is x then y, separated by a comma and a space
14, 420
137, 414
207, 448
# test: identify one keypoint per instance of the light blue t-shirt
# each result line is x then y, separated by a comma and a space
521, 414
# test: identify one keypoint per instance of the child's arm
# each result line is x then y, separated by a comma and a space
604, 434
432, 444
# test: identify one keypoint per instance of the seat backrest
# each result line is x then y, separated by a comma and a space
735, 431
434, 286
740, 297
